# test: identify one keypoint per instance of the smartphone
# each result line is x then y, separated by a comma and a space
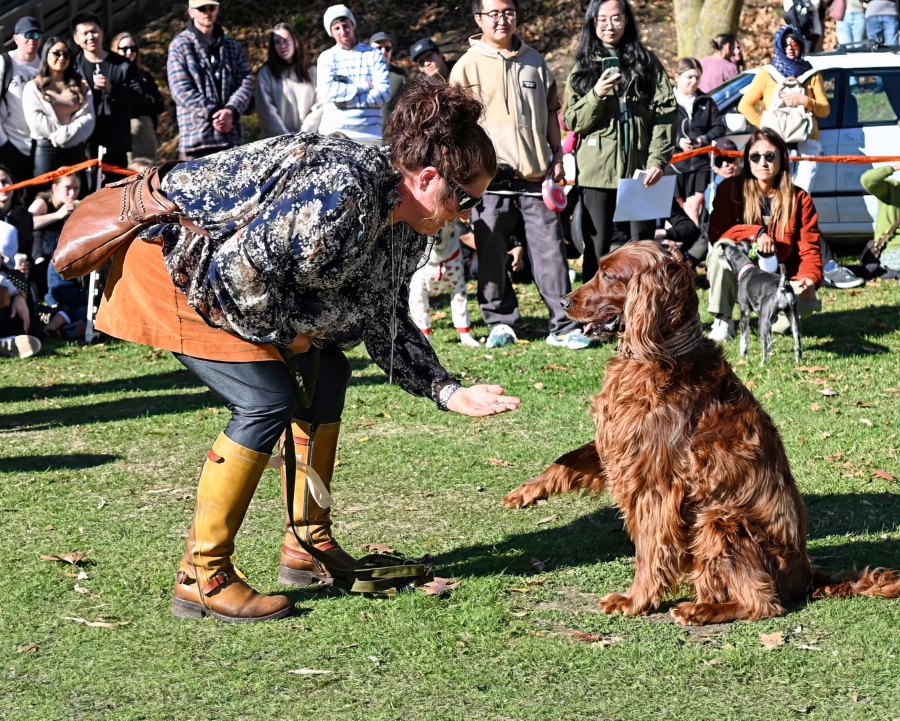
610, 64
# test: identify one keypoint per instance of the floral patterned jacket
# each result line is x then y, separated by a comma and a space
301, 242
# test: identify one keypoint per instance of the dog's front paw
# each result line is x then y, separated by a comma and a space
618, 604
525, 495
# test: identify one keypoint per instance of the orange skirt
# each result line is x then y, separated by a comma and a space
141, 304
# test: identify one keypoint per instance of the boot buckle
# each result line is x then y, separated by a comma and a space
220, 579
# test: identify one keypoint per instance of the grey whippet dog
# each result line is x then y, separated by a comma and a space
766, 294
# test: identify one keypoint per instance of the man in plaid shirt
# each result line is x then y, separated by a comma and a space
211, 83
352, 81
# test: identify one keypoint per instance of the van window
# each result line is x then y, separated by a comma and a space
830, 80
873, 98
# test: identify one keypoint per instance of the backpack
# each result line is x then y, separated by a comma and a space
793, 124
7, 74
800, 15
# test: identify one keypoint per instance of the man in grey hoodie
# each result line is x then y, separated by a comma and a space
521, 103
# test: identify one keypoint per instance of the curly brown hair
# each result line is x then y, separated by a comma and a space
434, 124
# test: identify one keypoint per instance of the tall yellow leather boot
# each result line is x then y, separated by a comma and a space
318, 448
207, 583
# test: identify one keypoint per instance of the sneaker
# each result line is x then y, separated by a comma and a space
501, 335
841, 277
722, 330
468, 340
19, 346
576, 340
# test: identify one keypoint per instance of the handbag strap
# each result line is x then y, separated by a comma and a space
879, 244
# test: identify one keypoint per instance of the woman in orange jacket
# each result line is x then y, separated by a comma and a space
763, 206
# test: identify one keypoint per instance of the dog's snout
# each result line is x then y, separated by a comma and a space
566, 301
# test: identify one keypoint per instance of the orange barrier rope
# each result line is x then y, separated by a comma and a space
854, 159
68, 170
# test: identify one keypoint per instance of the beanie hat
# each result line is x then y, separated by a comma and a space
335, 12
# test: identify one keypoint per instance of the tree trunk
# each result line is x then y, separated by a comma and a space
699, 21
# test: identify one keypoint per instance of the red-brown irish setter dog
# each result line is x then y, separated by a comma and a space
690, 457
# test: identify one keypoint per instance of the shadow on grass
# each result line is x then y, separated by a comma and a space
25, 464
851, 332
600, 536
118, 410
173, 380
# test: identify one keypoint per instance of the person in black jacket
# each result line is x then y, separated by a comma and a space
144, 116
116, 88
698, 124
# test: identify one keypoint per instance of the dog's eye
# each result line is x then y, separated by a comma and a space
607, 276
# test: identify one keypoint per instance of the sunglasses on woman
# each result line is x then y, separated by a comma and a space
127, 49
466, 201
756, 157
60, 54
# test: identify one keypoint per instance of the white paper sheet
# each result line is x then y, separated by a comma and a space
635, 202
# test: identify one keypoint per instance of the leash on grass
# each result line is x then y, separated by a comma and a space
374, 573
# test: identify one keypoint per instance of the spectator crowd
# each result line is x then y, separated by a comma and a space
65, 99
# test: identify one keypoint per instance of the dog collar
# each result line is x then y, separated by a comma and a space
743, 270
685, 339
681, 342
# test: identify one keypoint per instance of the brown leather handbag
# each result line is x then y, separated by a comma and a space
109, 218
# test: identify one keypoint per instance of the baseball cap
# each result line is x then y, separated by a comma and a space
25, 24
724, 144
420, 47
380, 38
201, 3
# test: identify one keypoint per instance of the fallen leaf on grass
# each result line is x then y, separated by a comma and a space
863, 404
539, 565
771, 640
364, 439
500, 462
74, 558
828, 392
28, 648
815, 408
519, 614
99, 623
439, 586
865, 422
811, 369
878, 473
48, 528
548, 519
539, 386
310, 671
834, 456
768, 394
439, 315
517, 589
375, 660
377, 548
599, 639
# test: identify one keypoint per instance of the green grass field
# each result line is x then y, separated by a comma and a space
100, 449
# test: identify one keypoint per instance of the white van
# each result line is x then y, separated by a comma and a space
863, 87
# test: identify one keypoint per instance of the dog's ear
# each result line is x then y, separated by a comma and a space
658, 302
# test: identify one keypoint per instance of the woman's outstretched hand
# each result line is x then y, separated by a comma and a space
481, 400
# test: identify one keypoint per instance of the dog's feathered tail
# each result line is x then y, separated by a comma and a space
882, 582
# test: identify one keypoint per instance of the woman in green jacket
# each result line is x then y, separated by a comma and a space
624, 116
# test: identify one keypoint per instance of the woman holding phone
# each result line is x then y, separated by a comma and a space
620, 100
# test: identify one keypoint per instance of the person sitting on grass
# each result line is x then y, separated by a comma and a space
878, 182
762, 205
